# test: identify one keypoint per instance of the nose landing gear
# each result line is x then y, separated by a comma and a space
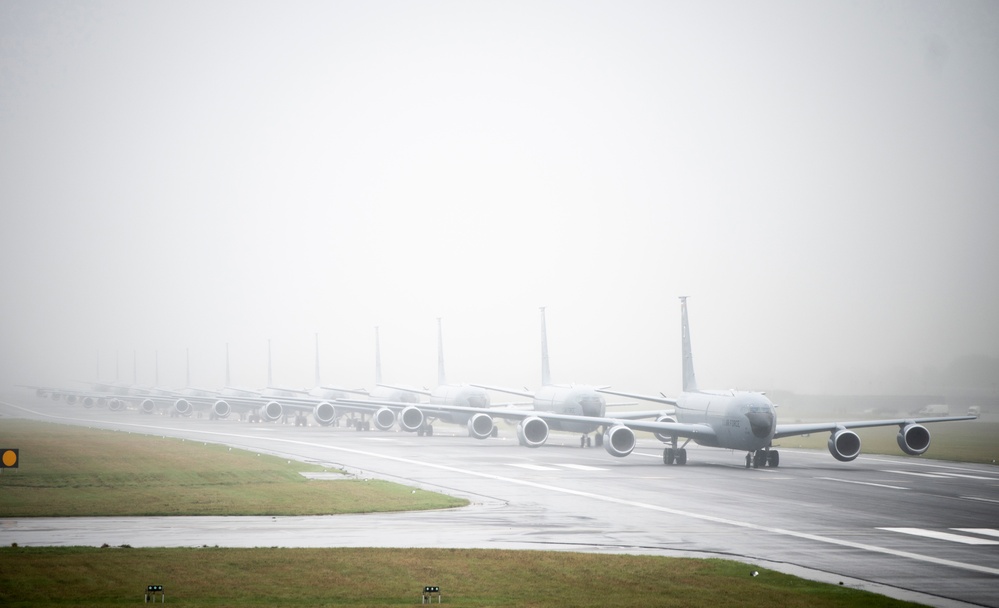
763, 458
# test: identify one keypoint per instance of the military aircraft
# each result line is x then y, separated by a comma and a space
463, 395
747, 421
572, 408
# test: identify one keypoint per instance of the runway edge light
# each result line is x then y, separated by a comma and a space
9, 458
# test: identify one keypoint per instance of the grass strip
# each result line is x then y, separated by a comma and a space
86, 576
75, 471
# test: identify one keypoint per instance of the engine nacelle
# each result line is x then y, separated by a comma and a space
148, 406
182, 407
41, 393
914, 439
89, 402
844, 445
221, 409
384, 418
272, 412
116, 405
71, 399
480, 426
324, 413
619, 440
532, 432
660, 436
411, 419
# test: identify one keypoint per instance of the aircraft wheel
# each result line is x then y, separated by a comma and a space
495, 432
759, 459
668, 456
681, 456
367, 425
430, 430
599, 441
419, 432
773, 459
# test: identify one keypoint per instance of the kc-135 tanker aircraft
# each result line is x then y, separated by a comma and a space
733, 420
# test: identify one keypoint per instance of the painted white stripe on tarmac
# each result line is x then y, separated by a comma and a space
581, 467
982, 531
935, 475
863, 483
954, 538
532, 467
611, 499
980, 499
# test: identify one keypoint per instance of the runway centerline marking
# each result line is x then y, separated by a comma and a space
934, 475
611, 499
863, 483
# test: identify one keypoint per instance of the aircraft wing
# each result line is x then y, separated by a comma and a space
523, 393
640, 414
654, 399
790, 430
407, 389
693, 431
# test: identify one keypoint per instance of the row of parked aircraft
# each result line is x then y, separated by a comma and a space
733, 420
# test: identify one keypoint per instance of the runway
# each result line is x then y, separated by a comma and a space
889, 524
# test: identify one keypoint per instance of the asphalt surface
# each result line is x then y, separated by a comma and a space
914, 528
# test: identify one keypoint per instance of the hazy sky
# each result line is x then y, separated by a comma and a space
820, 178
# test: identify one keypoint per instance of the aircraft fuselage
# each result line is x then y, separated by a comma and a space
571, 400
742, 421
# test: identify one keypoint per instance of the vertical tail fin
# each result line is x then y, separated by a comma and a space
227, 379
689, 381
317, 360
441, 379
270, 379
378, 358
546, 375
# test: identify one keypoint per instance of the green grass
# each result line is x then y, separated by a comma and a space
73, 471
75, 576
967, 441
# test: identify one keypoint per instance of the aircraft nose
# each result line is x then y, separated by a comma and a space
761, 423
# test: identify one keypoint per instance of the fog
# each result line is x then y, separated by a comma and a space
820, 179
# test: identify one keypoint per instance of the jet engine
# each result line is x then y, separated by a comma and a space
324, 413
181, 407
70, 399
532, 432
116, 405
384, 419
41, 393
844, 445
411, 419
89, 402
914, 439
660, 436
148, 406
480, 426
272, 412
221, 409
619, 440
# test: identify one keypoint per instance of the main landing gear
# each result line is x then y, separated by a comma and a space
675, 455
763, 458
585, 442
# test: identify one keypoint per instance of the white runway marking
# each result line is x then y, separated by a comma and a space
863, 483
935, 475
982, 531
954, 538
581, 467
532, 467
979, 499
